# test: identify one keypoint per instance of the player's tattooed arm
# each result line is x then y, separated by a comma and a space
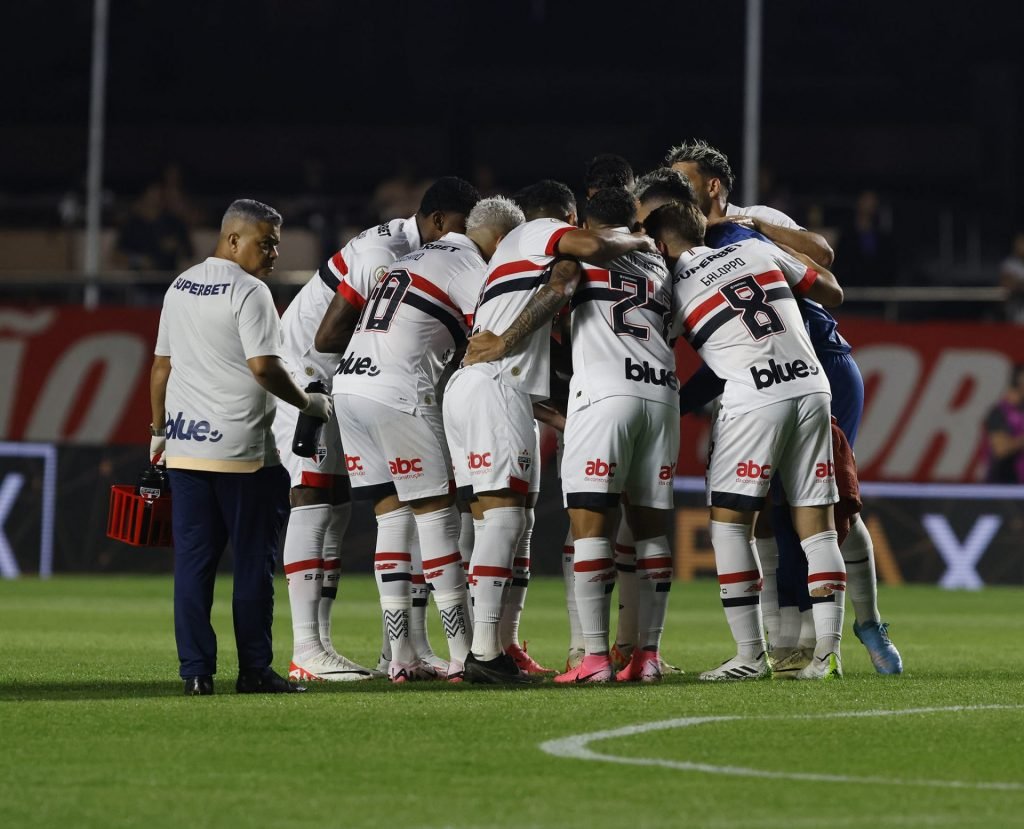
486, 347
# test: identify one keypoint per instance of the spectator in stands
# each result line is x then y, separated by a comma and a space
152, 238
1004, 432
866, 247
1011, 277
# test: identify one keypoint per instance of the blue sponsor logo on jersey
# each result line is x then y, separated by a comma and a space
197, 430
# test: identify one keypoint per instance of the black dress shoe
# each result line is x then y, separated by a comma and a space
198, 686
265, 681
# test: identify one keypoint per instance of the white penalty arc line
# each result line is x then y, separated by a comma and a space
576, 747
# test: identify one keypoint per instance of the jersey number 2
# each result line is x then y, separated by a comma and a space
384, 300
637, 286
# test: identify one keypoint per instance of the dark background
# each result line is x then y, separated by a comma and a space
920, 100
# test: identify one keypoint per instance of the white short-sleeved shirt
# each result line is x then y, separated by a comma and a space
736, 306
515, 273
415, 317
215, 317
765, 213
355, 269
620, 321
300, 322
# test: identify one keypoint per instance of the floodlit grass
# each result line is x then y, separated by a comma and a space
94, 730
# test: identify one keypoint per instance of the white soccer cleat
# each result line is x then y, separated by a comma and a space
432, 666
826, 667
788, 662
418, 671
739, 668
327, 668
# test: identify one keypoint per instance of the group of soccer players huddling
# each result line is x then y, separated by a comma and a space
447, 337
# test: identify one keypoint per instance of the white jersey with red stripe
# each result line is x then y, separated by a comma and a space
620, 322
352, 272
515, 274
414, 319
736, 307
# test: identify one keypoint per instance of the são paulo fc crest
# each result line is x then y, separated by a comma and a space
321, 455
524, 460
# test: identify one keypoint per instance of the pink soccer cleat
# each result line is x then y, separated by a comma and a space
593, 668
526, 663
644, 666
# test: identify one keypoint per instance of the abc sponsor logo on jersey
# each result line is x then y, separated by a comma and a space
775, 373
357, 365
478, 462
825, 472
406, 467
197, 430
747, 471
599, 470
645, 373
666, 474
353, 463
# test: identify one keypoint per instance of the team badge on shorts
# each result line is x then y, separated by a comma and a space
524, 460
321, 455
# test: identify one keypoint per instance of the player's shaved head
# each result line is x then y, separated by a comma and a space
611, 207
676, 226
242, 212
607, 170
449, 194
711, 162
547, 199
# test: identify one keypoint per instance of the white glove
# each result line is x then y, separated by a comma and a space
320, 406
157, 444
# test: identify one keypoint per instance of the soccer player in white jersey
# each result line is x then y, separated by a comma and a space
621, 439
415, 320
739, 313
488, 406
708, 170
320, 506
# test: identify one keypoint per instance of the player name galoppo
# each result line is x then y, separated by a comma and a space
707, 260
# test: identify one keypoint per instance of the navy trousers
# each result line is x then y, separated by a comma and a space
209, 509
847, 407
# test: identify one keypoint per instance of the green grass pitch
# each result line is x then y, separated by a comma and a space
94, 731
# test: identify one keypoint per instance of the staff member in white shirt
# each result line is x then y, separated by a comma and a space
216, 373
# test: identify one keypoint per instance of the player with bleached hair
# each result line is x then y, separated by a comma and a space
414, 323
488, 406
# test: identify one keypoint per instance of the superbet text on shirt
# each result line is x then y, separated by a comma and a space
736, 306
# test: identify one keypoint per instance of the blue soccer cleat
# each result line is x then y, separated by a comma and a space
875, 637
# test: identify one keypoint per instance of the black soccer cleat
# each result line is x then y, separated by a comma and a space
198, 686
265, 681
502, 670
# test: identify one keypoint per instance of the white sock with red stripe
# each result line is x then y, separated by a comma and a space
627, 577
304, 570
515, 596
393, 569
594, 573
826, 577
768, 558
740, 583
862, 585
492, 568
467, 537
340, 515
654, 581
575, 630
442, 570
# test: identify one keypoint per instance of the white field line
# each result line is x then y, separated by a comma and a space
577, 747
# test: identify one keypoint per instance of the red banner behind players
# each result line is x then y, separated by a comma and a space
73, 376
928, 388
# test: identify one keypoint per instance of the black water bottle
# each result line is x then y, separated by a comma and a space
153, 483
307, 427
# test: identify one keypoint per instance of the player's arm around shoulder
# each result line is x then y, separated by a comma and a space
818, 282
486, 347
782, 230
601, 247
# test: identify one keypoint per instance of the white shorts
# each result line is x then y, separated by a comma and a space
620, 445
390, 452
492, 435
329, 460
791, 438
